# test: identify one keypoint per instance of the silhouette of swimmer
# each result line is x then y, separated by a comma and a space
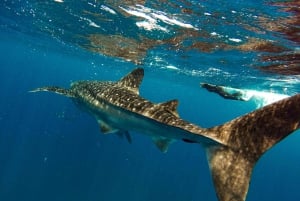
221, 90
260, 98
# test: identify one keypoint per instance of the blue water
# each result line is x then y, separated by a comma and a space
52, 151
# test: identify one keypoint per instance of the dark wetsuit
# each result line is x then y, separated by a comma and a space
220, 90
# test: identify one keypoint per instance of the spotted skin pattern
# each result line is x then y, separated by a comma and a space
232, 148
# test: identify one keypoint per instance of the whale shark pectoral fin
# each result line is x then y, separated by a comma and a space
57, 90
127, 135
133, 80
106, 129
162, 143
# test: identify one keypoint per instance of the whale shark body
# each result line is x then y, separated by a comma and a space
232, 148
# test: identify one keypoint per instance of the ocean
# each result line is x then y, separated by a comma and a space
50, 150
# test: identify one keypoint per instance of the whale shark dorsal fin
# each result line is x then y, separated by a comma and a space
133, 80
171, 106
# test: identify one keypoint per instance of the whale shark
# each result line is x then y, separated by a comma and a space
260, 98
232, 148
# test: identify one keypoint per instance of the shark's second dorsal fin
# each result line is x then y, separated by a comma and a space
133, 80
171, 106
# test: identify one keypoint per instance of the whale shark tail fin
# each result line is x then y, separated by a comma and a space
246, 139
58, 90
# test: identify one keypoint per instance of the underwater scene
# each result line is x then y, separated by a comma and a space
180, 100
